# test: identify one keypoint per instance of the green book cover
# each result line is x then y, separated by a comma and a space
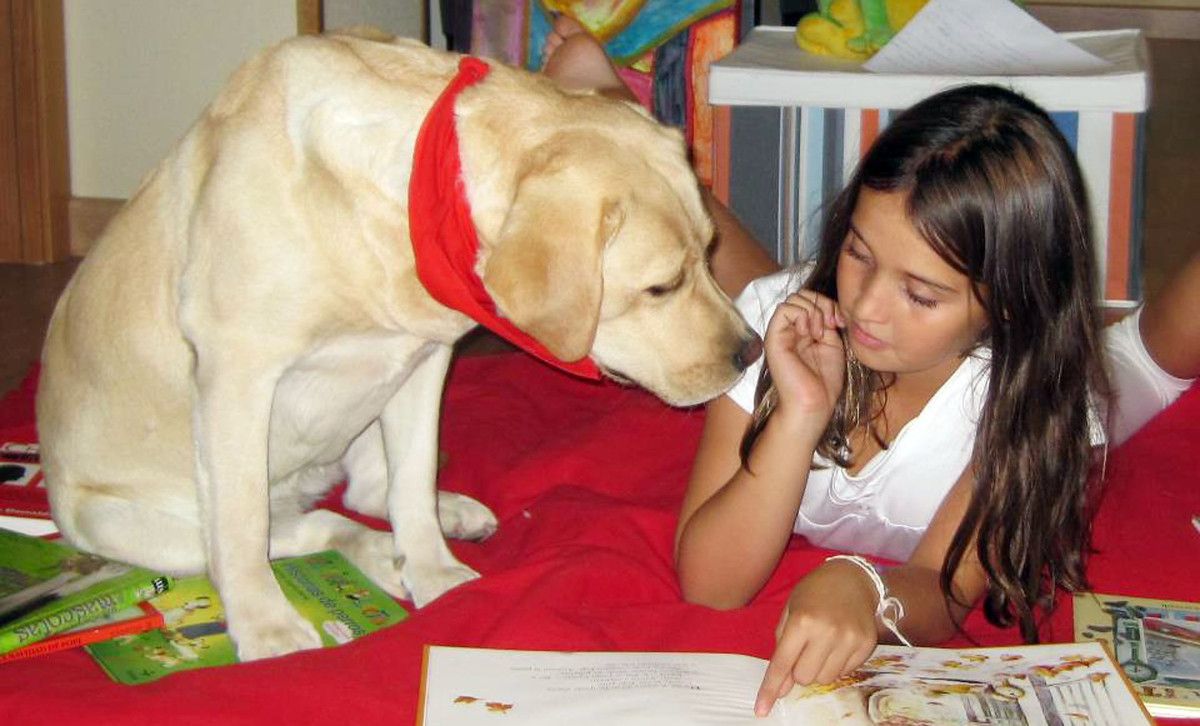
48, 587
335, 596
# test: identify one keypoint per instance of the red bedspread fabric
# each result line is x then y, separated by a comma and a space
586, 481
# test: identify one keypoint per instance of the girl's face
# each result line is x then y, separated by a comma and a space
907, 310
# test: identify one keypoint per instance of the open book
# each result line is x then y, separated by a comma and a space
1036, 684
1157, 643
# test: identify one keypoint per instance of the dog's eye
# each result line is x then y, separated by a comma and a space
660, 290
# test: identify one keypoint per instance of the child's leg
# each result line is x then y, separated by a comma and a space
577, 61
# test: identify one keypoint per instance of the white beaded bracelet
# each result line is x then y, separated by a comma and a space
889, 610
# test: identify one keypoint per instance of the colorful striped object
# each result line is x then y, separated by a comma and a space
786, 159
820, 147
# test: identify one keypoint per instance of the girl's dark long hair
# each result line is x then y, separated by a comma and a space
995, 189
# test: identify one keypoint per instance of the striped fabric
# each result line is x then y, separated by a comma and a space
817, 148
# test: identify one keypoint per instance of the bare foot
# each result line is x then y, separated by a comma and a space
577, 61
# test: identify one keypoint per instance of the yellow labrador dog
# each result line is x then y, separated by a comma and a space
251, 328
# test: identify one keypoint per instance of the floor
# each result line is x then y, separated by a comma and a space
28, 292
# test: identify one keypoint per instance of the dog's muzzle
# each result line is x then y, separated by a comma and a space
749, 352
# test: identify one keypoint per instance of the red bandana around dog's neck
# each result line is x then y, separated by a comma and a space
444, 241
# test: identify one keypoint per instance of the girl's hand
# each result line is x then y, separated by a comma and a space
805, 353
828, 629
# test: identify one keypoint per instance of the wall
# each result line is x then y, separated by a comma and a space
402, 17
139, 72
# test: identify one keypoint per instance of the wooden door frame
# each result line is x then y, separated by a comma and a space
310, 17
35, 72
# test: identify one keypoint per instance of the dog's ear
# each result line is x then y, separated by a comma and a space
545, 268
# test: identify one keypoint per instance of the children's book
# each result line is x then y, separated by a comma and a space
334, 595
47, 588
1065, 683
1157, 642
22, 493
136, 619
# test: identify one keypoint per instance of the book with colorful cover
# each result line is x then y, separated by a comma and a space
334, 595
132, 620
1157, 643
22, 491
48, 587
24, 504
1063, 683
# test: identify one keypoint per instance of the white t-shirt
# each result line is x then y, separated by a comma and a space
885, 509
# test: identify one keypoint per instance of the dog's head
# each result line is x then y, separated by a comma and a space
603, 253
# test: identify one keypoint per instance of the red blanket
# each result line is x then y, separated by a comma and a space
586, 480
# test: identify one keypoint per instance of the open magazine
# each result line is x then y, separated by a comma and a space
1037, 684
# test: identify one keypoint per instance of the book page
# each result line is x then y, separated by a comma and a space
465, 686
984, 38
1039, 684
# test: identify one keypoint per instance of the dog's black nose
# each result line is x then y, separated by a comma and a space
749, 352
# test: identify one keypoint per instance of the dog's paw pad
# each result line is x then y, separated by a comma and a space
462, 517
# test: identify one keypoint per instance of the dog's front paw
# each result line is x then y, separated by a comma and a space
268, 632
429, 583
462, 517
373, 552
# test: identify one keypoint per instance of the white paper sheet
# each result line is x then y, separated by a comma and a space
981, 37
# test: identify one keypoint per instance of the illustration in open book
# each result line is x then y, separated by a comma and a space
1065, 684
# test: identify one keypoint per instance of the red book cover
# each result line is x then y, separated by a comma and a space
22, 492
131, 621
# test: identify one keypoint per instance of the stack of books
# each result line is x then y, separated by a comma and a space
140, 625
54, 596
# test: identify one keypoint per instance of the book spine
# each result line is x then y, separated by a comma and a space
151, 620
72, 615
18, 510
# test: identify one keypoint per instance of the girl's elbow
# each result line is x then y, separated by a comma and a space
710, 595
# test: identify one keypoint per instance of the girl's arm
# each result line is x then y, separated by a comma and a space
735, 523
736, 258
736, 520
829, 627
1170, 327
929, 618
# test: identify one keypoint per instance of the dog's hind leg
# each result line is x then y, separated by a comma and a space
370, 550
138, 533
461, 517
409, 423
